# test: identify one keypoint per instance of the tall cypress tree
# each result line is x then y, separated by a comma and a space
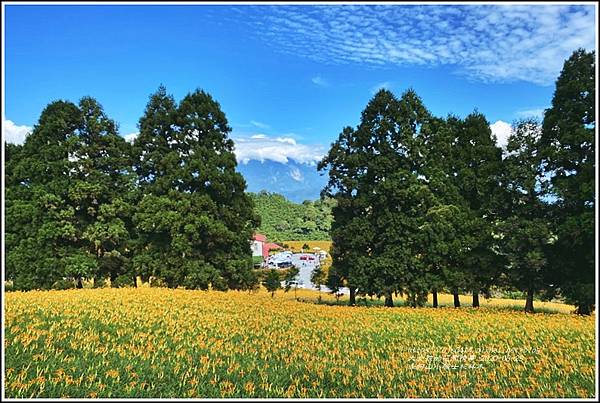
477, 176
350, 232
567, 149
375, 170
64, 200
40, 224
525, 230
448, 223
194, 218
101, 192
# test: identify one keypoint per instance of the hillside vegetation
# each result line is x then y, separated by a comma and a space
283, 220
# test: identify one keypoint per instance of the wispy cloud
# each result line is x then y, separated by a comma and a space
502, 132
296, 174
12, 133
537, 113
320, 81
503, 43
279, 149
384, 85
260, 125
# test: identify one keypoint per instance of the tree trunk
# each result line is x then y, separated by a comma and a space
389, 302
352, 300
584, 310
529, 301
456, 300
135, 283
79, 283
476, 299
435, 298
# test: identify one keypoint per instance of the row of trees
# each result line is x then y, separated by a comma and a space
81, 202
427, 204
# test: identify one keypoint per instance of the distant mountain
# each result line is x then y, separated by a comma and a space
296, 181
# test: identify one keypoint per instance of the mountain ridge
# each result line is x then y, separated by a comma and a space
295, 180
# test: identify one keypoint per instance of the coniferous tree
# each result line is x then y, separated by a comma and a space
477, 176
448, 224
350, 231
40, 225
272, 282
375, 174
526, 231
100, 192
567, 149
194, 218
64, 189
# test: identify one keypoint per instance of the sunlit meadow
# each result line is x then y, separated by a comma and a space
152, 342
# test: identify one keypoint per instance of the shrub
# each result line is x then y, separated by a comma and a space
157, 282
100, 283
257, 260
123, 281
63, 284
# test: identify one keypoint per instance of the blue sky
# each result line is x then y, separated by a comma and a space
289, 78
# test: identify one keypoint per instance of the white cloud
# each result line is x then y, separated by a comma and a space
279, 149
11, 133
384, 85
320, 81
260, 125
131, 137
286, 140
502, 131
537, 113
486, 42
296, 174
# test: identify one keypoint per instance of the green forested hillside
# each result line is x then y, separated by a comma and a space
283, 220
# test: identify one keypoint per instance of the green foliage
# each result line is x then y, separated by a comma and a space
318, 277
82, 202
291, 277
123, 281
59, 184
156, 282
425, 204
382, 198
525, 229
272, 281
282, 219
63, 284
567, 151
193, 218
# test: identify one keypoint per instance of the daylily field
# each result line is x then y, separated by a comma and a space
152, 342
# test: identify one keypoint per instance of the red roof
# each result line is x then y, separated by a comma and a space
267, 247
260, 237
